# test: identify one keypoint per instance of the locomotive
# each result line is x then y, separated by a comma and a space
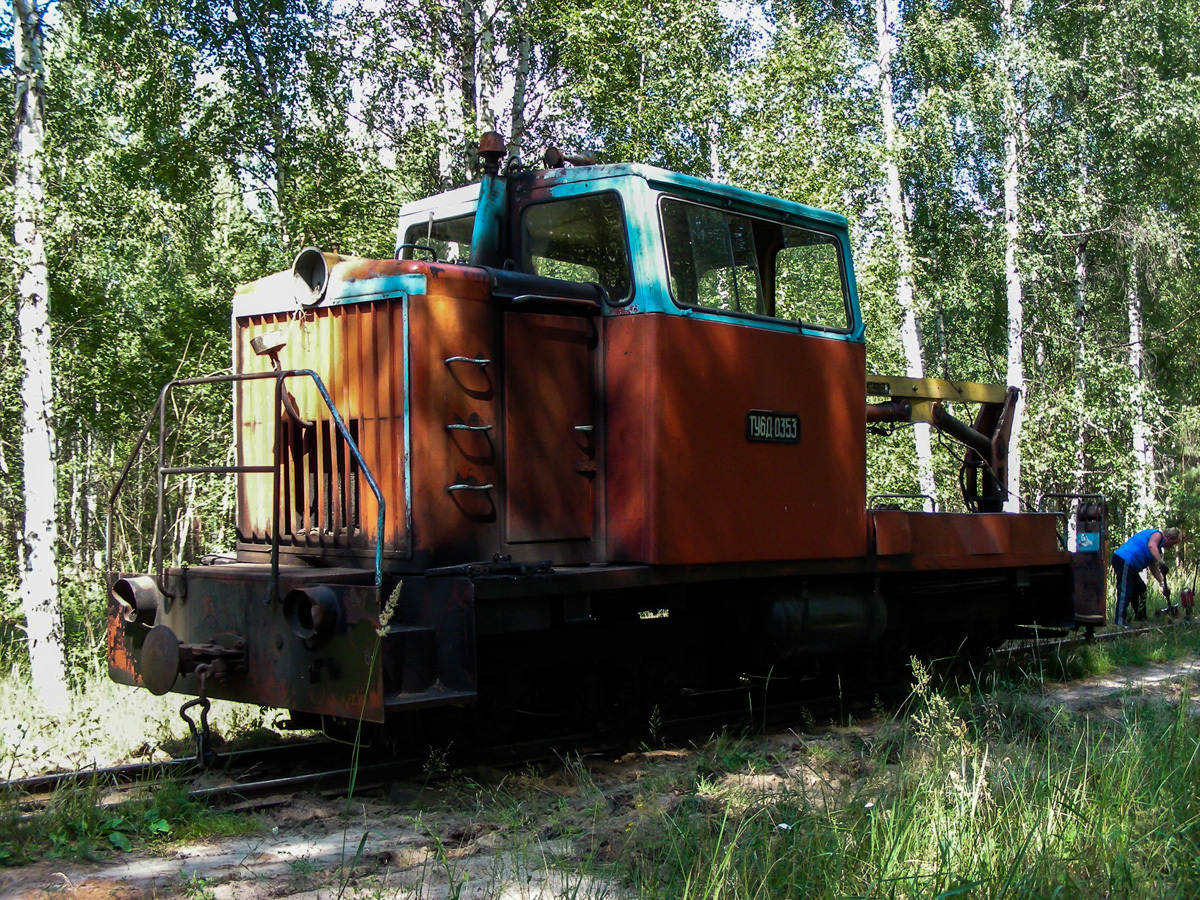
592, 441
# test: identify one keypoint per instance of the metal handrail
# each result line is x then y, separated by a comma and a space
932, 500
1062, 536
160, 413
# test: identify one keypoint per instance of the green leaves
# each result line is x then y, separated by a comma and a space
120, 841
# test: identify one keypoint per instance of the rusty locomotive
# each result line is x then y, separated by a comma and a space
593, 439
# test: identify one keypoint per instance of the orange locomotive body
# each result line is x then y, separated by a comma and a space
594, 440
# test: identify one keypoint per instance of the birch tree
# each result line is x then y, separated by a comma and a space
38, 562
886, 15
1143, 451
1013, 74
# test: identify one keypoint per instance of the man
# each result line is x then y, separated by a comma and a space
1143, 550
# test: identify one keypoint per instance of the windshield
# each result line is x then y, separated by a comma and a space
579, 239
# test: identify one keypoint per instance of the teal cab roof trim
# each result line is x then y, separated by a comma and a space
640, 187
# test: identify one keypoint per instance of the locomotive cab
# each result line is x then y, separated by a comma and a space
590, 426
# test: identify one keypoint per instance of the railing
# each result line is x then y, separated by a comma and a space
281, 405
1065, 518
922, 497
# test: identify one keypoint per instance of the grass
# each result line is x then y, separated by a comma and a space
107, 723
973, 790
976, 789
972, 794
78, 824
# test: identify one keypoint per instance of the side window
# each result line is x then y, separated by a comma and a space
808, 280
712, 258
450, 239
741, 264
579, 239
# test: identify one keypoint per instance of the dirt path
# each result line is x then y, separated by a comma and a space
491, 834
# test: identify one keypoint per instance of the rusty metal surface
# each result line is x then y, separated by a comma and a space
985, 475
337, 675
684, 484
550, 399
158, 662
358, 350
456, 328
429, 647
1089, 563
120, 641
965, 540
925, 390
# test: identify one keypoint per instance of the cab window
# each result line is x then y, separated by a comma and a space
741, 264
579, 239
450, 239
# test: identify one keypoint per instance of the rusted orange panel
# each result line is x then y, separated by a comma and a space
1034, 532
550, 464
966, 540
362, 371
122, 663
892, 532
358, 349
713, 495
629, 383
455, 321
458, 282
956, 534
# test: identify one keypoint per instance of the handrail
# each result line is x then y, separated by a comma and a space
1062, 536
932, 500
162, 471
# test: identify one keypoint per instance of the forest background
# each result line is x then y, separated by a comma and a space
1019, 177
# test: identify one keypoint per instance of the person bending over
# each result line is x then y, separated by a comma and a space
1143, 550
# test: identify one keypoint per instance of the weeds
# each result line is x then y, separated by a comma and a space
955, 800
78, 824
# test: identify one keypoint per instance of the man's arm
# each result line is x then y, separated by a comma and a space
1155, 544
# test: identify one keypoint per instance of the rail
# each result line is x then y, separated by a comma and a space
159, 413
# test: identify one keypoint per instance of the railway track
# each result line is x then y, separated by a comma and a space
255, 775
1012, 648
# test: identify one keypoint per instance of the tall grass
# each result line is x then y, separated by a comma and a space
958, 803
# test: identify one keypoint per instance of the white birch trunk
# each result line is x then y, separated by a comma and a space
485, 116
39, 565
91, 507
185, 523
1081, 284
716, 172
1013, 132
444, 104
520, 87
1145, 488
885, 15
465, 105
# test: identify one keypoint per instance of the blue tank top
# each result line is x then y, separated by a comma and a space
1136, 550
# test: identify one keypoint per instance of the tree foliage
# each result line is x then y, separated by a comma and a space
193, 145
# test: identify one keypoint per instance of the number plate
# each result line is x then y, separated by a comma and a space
772, 427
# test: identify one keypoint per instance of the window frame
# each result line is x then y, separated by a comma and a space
519, 228
434, 220
782, 222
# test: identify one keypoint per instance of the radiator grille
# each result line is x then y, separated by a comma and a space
320, 486
325, 503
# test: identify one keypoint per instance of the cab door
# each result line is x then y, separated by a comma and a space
551, 427
571, 248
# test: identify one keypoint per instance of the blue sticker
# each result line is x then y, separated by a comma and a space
1087, 542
